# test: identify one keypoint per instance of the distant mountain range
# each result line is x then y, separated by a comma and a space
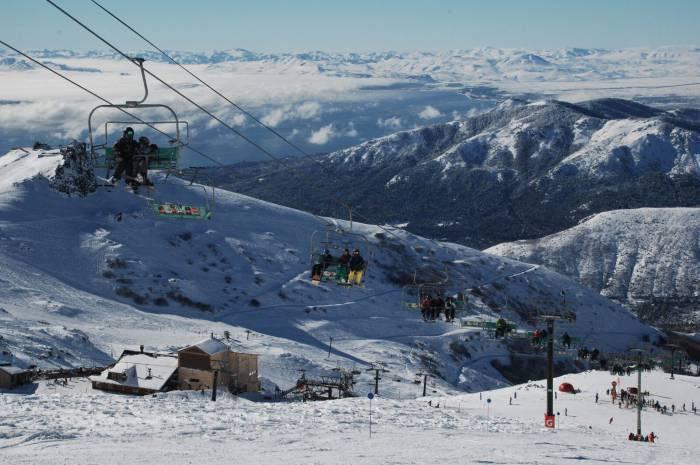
648, 259
521, 171
479, 65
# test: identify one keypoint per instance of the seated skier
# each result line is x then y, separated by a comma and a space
320, 265
144, 150
501, 327
341, 272
124, 151
357, 267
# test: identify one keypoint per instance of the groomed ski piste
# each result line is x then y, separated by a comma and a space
82, 278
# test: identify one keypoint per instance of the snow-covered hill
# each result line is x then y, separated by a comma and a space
646, 258
523, 170
102, 265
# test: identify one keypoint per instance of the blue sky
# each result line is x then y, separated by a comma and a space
359, 25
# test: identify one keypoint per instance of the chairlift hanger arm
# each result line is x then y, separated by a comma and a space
123, 106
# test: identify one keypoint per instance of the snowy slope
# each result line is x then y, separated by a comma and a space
74, 424
104, 265
646, 258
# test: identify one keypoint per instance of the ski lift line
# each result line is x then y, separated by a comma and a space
99, 97
218, 93
219, 120
207, 85
169, 86
259, 147
199, 106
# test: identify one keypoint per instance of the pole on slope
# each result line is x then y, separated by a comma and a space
330, 344
639, 395
425, 382
213, 388
370, 396
674, 348
377, 377
640, 398
550, 369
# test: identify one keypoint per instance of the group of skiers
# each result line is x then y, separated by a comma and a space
639, 437
131, 159
539, 337
584, 353
431, 308
349, 268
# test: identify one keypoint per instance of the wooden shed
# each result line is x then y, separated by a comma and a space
236, 371
12, 376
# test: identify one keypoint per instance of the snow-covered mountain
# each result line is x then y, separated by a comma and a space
523, 170
102, 272
647, 258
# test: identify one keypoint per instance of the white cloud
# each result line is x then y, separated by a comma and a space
323, 135
351, 132
239, 119
429, 113
391, 123
308, 110
275, 117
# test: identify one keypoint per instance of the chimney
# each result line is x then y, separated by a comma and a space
141, 348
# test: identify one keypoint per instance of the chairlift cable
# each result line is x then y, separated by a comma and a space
99, 97
198, 106
169, 86
207, 85
247, 139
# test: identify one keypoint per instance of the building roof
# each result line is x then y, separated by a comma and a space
136, 369
211, 346
13, 370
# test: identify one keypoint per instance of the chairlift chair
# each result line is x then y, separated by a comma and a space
335, 240
164, 158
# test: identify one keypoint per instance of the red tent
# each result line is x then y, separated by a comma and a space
567, 387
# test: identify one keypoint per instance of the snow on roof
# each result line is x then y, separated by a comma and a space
12, 370
136, 369
211, 346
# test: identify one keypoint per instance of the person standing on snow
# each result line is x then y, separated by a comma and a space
425, 307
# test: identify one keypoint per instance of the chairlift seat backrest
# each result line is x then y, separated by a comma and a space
163, 159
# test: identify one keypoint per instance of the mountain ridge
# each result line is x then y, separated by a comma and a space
522, 170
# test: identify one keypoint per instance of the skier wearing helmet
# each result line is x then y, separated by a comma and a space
357, 267
124, 151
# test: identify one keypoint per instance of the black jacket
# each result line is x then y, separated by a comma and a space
357, 263
125, 148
